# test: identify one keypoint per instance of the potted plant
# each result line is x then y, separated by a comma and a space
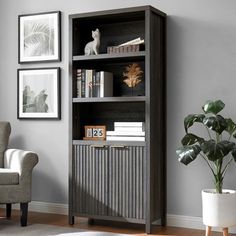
218, 151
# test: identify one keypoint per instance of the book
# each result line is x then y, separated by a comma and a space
88, 83
128, 124
129, 129
124, 138
96, 85
106, 84
133, 42
83, 83
78, 82
125, 133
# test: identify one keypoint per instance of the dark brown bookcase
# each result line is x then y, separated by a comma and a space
119, 180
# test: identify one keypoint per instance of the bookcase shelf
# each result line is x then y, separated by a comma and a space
118, 180
113, 56
108, 143
110, 99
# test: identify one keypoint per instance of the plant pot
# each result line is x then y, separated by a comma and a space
219, 210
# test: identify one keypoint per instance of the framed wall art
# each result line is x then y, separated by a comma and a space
39, 37
38, 93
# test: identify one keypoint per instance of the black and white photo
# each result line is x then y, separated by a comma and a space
39, 37
39, 93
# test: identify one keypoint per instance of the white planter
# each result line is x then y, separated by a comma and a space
219, 210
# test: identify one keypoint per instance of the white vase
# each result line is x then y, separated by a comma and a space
219, 210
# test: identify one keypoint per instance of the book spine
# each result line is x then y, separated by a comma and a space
83, 83
94, 89
129, 124
78, 82
129, 129
98, 84
127, 132
101, 84
124, 138
88, 83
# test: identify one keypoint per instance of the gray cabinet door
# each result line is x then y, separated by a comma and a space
91, 180
127, 188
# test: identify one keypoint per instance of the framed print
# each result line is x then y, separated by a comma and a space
95, 132
39, 37
38, 93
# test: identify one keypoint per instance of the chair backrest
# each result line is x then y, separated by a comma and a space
5, 130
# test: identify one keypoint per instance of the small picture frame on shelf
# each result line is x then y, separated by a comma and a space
95, 132
38, 93
39, 37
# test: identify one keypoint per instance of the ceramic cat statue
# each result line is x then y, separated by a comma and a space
92, 47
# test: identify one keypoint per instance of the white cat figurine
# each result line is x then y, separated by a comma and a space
92, 47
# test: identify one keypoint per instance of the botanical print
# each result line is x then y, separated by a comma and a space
39, 37
38, 93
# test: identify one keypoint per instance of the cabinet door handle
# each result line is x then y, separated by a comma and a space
97, 146
117, 146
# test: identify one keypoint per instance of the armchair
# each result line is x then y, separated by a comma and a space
15, 174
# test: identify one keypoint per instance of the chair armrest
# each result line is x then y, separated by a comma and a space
19, 160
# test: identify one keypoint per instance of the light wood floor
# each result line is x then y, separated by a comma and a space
133, 230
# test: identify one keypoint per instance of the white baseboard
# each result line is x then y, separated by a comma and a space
45, 207
190, 222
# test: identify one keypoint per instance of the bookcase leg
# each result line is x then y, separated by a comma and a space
71, 219
148, 228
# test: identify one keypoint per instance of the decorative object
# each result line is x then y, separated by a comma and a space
92, 47
134, 45
39, 93
95, 132
39, 37
132, 75
218, 151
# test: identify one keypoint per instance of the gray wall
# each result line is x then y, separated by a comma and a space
201, 66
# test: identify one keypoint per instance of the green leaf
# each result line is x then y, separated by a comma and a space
190, 139
213, 106
231, 126
187, 154
216, 123
191, 119
215, 151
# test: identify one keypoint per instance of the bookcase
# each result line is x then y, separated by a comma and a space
120, 180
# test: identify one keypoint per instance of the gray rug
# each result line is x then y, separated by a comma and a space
11, 228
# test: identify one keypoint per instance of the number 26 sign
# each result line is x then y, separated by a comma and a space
97, 132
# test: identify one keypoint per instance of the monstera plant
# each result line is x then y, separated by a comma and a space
217, 149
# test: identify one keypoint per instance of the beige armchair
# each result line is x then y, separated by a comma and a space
15, 174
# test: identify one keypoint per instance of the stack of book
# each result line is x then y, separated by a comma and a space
129, 131
134, 45
90, 83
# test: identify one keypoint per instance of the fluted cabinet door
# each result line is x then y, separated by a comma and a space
127, 174
91, 180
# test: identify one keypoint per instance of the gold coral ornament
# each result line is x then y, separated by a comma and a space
133, 75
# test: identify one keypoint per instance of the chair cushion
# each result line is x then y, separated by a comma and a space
8, 177
5, 130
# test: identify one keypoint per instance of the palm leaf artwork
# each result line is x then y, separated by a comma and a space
38, 38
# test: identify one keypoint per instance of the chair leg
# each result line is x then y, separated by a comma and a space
225, 232
24, 213
8, 210
208, 230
